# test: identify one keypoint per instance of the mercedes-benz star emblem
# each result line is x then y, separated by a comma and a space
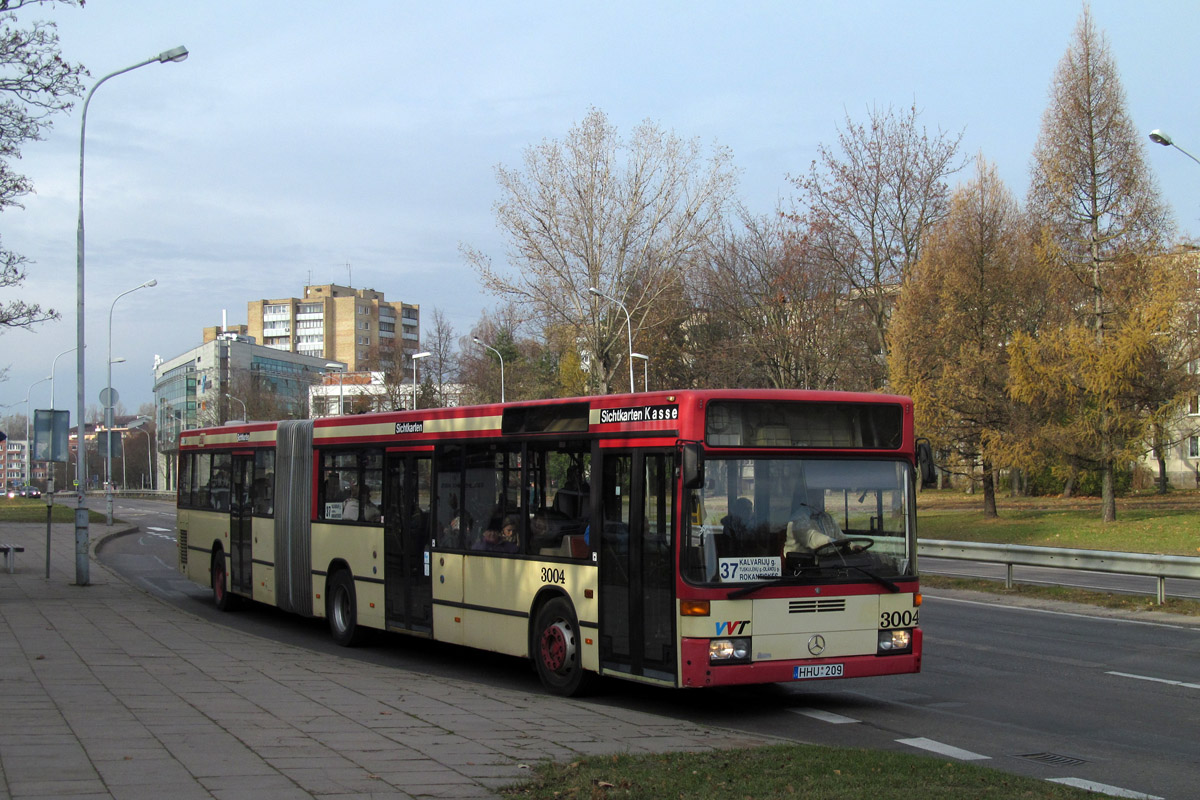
816, 644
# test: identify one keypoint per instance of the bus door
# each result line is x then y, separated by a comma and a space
408, 588
637, 619
241, 522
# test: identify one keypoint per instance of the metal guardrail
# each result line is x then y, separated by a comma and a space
1153, 566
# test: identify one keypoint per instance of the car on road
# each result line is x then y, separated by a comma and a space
31, 491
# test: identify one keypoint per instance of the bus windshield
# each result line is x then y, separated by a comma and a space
820, 520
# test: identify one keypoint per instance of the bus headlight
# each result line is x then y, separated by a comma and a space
895, 642
728, 651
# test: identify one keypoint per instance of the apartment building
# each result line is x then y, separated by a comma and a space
358, 327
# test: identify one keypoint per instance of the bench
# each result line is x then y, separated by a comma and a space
10, 555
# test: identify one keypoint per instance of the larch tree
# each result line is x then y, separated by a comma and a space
1102, 222
974, 287
868, 204
631, 218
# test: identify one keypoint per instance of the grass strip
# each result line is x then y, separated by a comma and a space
23, 510
1064, 594
780, 771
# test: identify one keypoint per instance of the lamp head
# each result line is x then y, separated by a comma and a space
150, 284
1161, 137
595, 291
174, 54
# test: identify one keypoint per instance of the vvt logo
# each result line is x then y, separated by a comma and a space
732, 628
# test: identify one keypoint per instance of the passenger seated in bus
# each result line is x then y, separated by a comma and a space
737, 521
500, 536
350, 506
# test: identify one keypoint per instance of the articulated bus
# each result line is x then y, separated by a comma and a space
685, 539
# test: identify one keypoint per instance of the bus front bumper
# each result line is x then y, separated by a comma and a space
697, 671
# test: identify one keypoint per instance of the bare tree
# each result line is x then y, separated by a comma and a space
441, 366
1102, 221
630, 218
35, 84
868, 205
790, 323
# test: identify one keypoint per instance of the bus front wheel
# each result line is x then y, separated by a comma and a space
341, 609
556, 649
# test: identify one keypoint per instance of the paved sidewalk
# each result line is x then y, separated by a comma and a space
106, 692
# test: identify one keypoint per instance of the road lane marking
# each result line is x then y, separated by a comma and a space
823, 716
943, 749
156, 530
1103, 788
1154, 680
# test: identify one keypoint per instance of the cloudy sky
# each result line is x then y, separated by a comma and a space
356, 142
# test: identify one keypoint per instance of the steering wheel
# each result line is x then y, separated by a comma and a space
848, 545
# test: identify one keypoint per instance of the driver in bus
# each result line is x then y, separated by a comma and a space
811, 528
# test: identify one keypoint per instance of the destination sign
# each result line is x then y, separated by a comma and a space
410, 427
639, 414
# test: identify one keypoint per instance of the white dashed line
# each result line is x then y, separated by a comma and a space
1154, 680
824, 716
943, 749
1104, 788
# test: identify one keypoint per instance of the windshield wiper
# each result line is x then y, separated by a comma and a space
891, 587
754, 587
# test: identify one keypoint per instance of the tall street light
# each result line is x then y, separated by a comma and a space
628, 327
81, 512
415, 357
110, 402
1164, 138
481, 343
138, 426
245, 414
645, 359
341, 368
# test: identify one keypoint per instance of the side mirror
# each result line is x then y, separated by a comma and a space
692, 466
926, 471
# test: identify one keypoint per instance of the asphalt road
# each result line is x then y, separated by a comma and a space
1101, 702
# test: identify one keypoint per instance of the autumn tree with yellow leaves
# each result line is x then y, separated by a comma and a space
1102, 225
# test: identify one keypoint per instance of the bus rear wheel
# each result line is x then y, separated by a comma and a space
556, 650
223, 599
341, 609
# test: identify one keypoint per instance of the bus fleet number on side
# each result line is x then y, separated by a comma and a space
551, 575
898, 619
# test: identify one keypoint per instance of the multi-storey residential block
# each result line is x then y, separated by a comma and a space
358, 327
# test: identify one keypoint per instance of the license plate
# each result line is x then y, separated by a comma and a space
817, 671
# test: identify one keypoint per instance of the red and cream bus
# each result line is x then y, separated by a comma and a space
690, 538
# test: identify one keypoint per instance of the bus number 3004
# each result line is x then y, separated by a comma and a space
898, 619
551, 575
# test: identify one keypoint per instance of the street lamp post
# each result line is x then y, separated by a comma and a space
110, 402
415, 358
149, 465
628, 327
645, 359
1164, 138
245, 414
481, 343
341, 368
81, 512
